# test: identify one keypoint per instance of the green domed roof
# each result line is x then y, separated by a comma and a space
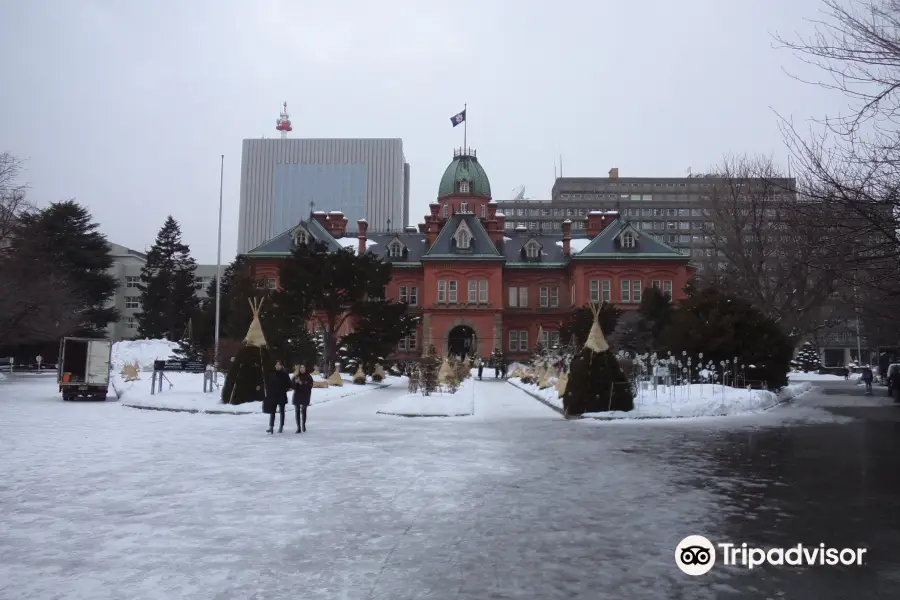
465, 167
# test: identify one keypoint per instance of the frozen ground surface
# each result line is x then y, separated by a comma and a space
99, 501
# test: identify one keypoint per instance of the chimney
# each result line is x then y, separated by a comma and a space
435, 208
491, 209
337, 224
320, 217
614, 173
567, 237
432, 229
363, 227
597, 220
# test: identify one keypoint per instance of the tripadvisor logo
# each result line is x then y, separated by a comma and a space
696, 555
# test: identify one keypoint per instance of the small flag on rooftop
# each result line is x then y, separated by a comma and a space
458, 118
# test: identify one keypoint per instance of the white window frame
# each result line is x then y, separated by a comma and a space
132, 281
625, 290
595, 290
554, 297
464, 207
464, 187
636, 289
446, 210
532, 250
452, 292
513, 344
408, 343
413, 296
132, 302
545, 297
483, 291
130, 323
484, 211
442, 290
403, 293
523, 341
606, 290
395, 249
473, 291
513, 297
301, 237
463, 236
523, 297
270, 283
628, 240
667, 289
554, 339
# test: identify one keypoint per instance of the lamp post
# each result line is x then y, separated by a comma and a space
219, 268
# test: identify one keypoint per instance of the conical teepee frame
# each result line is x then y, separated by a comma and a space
595, 341
255, 335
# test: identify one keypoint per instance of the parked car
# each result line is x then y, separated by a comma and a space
893, 381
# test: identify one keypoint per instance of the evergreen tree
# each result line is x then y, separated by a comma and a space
332, 286
807, 358
66, 238
596, 382
724, 327
379, 327
656, 313
168, 287
581, 320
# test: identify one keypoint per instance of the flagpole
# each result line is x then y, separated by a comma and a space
219, 269
465, 127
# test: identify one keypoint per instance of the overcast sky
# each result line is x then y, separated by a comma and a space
126, 106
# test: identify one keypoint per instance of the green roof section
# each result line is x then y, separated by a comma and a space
465, 167
606, 245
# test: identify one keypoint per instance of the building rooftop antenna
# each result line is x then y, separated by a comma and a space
283, 124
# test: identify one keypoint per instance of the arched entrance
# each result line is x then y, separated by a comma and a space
461, 341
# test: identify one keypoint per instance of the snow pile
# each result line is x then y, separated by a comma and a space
184, 392
144, 352
460, 404
353, 243
696, 400
801, 376
2, 376
576, 245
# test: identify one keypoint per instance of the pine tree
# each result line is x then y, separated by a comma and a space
65, 237
807, 358
249, 372
380, 326
168, 287
581, 321
596, 382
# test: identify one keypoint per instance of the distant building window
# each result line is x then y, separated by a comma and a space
463, 187
131, 323
132, 302
131, 281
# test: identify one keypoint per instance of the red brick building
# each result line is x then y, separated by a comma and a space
476, 286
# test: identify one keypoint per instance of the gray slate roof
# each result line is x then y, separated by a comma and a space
606, 245
481, 245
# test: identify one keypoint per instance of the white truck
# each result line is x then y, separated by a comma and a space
83, 368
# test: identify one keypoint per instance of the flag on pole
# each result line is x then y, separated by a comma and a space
458, 118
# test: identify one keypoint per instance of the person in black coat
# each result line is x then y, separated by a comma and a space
279, 384
303, 385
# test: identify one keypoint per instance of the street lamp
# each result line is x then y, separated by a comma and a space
219, 269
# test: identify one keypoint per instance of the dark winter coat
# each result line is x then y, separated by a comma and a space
303, 384
867, 375
279, 384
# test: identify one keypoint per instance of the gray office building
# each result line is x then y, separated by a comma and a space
126, 269
282, 180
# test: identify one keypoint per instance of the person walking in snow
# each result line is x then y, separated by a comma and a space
867, 377
480, 364
279, 384
303, 384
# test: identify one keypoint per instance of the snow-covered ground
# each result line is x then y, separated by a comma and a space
184, 391
102, 502
697, 400
459, 404
142, 352
801, 376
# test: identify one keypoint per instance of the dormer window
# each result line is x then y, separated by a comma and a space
463, 236
463, 187
395, 249
464, 207
532, 249
446, 210
628, 240
300, 237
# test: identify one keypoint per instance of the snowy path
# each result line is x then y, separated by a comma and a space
99, 501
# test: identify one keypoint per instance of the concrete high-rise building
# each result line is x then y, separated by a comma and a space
282, 180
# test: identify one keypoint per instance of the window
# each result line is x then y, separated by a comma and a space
656, 283
625, 286
518, 296
410, 295
131, 323
532, 249
545, 297
270, 283
595, 290
463, 236
513, 297
408, 343
523, 341
464, 207
463, 188
442, 290
667, 289
300, 237
684, 225
601, 290
413, 296
452, 292
132, 281
132, 302
523, 297
395, 249
554, 297
483, 211
628, 240
473, 291
507, 225
513, 341
446, 210
671, 225
483, 291
636, 291
554, 339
